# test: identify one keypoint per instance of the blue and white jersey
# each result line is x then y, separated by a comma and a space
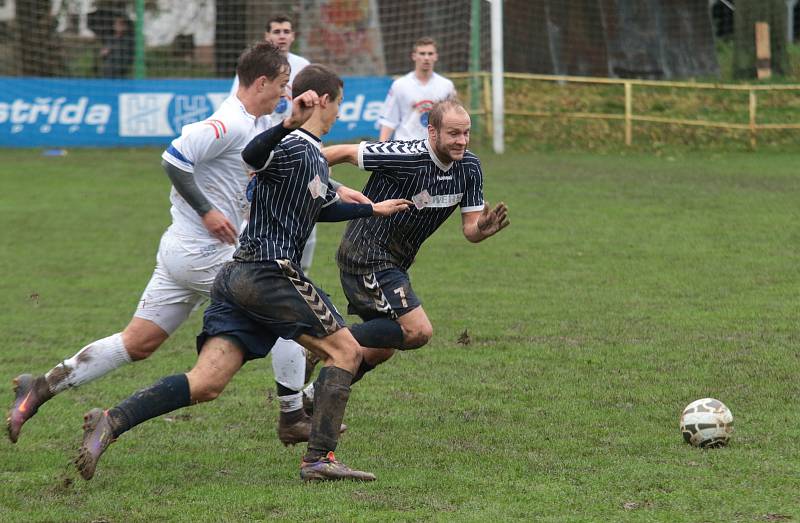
212, 151
412, 171
290, 191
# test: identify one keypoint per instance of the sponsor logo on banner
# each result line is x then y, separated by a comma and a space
43, 113
93, 112
163, 114
359, 110
144, 114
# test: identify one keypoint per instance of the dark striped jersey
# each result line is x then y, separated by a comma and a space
290, 190
407, 170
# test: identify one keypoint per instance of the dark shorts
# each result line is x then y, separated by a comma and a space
258, 302
382, 294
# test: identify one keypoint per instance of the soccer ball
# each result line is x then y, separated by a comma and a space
706, 423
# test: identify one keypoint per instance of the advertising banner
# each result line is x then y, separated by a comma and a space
44, 112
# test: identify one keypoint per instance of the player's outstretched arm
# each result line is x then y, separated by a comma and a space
348, 195
478, 226
340, 211
336, 154
390, 207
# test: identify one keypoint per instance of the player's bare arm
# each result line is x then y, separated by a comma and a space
340, 211
214, 221
348, 195
390, 207
344, 153
478, 226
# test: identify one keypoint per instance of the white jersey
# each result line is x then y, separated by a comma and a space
284, 107
212, 151
408, 103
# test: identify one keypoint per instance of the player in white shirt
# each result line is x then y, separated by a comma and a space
208, 201
405, 111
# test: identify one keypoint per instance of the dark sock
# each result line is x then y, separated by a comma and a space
168, 394
284, 391
362, 369
331, 391
380, 333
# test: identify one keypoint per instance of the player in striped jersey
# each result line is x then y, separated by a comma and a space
263, 293
288, 358
438, 174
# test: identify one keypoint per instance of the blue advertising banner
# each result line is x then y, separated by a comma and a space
49, 112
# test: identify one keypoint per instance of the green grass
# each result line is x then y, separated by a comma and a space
627, 286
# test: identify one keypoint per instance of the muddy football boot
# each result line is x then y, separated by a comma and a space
328, 469
97, 436
297, 432
28, 397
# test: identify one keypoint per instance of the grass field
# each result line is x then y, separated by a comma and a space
626, 287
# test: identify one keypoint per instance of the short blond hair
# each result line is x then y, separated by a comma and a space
424, 40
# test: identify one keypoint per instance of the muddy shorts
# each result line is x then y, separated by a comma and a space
182, 280
382, 294
259, 302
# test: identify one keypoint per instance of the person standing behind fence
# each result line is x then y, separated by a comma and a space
280, 33
410, 98
118, 48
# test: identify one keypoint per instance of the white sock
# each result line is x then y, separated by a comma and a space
291, 403
94, 360
308, 392
289, 363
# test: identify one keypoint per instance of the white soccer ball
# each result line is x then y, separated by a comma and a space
707, 423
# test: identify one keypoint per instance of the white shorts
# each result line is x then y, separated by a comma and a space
182, 280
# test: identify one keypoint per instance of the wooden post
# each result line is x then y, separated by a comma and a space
753, 118
763, 54
628, 113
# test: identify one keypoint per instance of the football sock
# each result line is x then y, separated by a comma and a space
289, 400
168, 394
289, 364
91, 362
362, 369
380, 333
308, 392
331, 393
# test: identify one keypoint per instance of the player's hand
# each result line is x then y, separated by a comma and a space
348, 195
219, 226
390, 207
492, 221
302, 108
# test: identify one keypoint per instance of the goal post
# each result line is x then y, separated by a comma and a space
498, 92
